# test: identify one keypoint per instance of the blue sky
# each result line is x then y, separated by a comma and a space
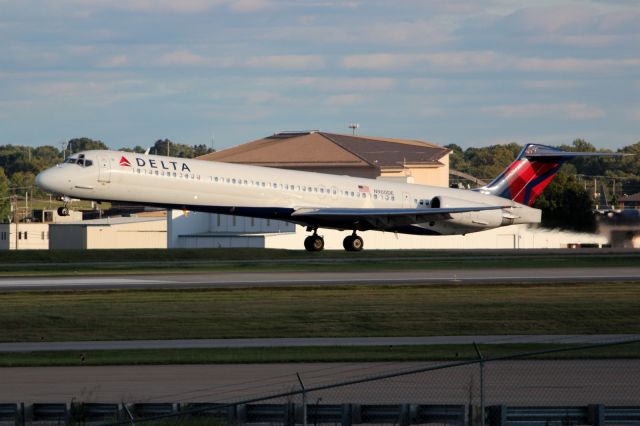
469, 72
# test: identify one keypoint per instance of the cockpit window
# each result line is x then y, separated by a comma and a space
81, 161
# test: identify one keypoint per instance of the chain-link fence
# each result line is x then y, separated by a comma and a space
579, 385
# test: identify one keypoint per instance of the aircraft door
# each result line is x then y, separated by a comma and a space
104, 173
334, 193
406, 200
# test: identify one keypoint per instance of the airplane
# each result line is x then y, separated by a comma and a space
314, 200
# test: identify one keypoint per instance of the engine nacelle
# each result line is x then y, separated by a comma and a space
471, 221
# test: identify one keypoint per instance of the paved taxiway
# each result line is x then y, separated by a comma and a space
266, 279
582, 339
574, 382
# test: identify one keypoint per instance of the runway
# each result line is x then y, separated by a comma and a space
292, 279
582, 339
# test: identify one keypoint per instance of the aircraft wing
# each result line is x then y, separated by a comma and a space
381, 218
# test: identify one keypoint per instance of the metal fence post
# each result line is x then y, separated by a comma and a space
304, 401
482, 413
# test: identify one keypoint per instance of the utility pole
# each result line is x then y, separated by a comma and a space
63, 147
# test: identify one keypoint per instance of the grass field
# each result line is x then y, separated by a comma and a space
143, 261
327, 311
307, 354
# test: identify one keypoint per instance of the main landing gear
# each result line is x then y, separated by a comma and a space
353, 242
314, 242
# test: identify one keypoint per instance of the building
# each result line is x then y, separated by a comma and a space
362, 156
32, 235
631, 201
110, 233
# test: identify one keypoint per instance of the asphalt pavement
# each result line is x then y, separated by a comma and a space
291, 279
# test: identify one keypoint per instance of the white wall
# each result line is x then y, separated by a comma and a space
220, 231
31, 236
196, 230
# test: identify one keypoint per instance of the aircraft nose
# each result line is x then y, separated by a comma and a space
47, 180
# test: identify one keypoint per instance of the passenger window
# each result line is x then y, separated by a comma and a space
88, 163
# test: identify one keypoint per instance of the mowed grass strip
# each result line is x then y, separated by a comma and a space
62, 262
321, 312
310, 354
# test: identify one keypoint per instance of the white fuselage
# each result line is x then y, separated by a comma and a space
265, 192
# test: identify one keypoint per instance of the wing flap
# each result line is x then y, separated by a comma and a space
383, 218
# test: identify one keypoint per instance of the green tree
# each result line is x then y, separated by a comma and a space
488, 162
138, 149
5, 202
84, 144
456, 157
566, 204
22, 181
172, 149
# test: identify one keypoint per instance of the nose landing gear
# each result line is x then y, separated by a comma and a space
353, 242
314, 242
64, 210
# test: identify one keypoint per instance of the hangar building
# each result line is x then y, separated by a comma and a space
362, 156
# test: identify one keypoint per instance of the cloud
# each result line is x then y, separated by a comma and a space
344, 100
182, 58
574, 64
583, 40
86, 9
115, 61
572, 111
550, 84
347, 84
470, 61
245, 6
634, 114
290, 62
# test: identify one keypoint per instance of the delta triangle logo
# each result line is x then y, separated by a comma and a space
124, 162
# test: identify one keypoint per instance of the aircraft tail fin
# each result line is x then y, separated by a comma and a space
535, 167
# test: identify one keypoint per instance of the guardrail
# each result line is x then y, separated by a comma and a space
344, 414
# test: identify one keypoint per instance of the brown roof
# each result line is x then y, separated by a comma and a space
631, 198
329, 149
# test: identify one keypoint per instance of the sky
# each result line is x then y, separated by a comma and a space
224, 72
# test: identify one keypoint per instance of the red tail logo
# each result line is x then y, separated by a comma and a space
124, 162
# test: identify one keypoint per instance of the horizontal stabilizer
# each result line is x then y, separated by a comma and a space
541, 151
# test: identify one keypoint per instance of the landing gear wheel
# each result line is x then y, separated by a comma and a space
63, 211
353, 243
314, 243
